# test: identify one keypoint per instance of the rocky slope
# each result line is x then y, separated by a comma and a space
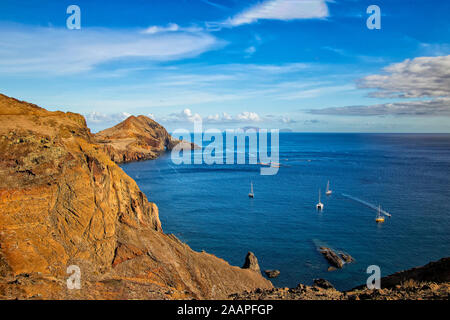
429, 282
136, 138
64, 202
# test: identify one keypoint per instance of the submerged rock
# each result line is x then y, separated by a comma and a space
332, 257
272, 273
330, 268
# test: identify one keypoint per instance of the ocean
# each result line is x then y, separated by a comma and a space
207, 206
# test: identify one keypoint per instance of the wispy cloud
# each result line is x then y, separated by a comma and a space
98, 117
171, 27
61, 51
188, 116
281, 10
215, 5
434, 107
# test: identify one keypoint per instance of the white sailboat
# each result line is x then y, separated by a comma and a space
319, 205
328, 192
251, 195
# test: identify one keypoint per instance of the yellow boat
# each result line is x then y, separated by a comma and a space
379, 218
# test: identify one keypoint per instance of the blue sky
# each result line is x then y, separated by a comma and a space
307, 65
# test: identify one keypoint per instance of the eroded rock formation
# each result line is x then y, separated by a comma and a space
251, 262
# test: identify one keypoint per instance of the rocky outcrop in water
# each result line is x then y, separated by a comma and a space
64, 202
272, 273
332, 257
251, 262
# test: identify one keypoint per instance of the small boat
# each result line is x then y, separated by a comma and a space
328, 192
251, 195
319, 205
379, 218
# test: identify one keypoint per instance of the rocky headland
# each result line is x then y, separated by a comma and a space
64, 202
137, 138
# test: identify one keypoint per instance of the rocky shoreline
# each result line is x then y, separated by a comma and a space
429, 282
65, 202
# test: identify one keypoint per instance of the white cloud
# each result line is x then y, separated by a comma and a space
248, 116
223, 117
61, 51
184, 116
250, 51
416, 78
171, 27
423, 77
434, 107
188, 116
98, 117
281, 10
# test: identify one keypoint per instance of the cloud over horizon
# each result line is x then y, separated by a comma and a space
417, 78
422, 77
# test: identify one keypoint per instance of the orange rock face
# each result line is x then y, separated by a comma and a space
63, 202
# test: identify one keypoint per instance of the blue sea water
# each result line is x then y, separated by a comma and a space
208, 207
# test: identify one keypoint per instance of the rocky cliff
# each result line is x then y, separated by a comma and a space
136, 138
63, 202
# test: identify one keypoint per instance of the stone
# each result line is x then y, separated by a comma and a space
332, 257
272, 273
346, 257
330, 268
322, 283
251, 262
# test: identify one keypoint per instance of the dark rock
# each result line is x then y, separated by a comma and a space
346, 257
322, 283
272, 273
332, 257
251, 262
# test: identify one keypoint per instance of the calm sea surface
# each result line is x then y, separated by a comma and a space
407, 174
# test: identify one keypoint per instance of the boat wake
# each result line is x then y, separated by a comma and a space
366, 204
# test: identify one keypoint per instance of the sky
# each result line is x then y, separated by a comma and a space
303, 65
